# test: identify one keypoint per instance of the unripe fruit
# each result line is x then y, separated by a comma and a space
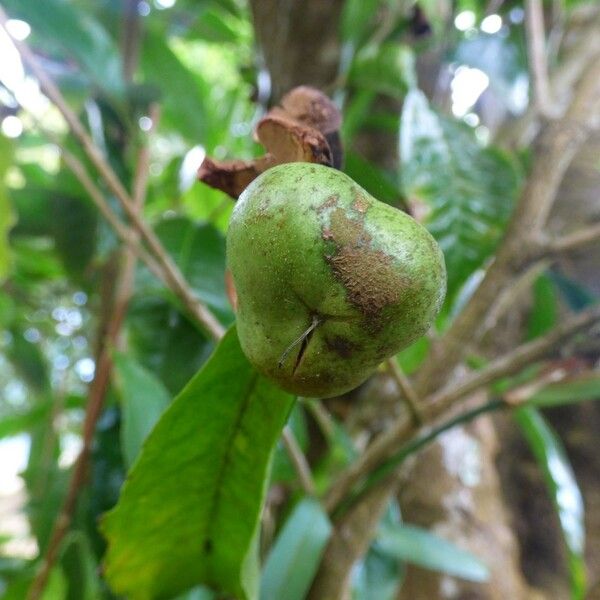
329, 281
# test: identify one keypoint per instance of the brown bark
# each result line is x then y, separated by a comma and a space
299, 41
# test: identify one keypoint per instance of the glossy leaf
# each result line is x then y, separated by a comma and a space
294, 558
468, 190
189, 511
143, 399
563, 488
420, 547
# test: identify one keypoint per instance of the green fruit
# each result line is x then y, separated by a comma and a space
329, 280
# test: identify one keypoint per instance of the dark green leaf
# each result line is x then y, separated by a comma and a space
143, 399
189, 512
373, 179
544, 312
80, 568
468, 189
199, 251
420, 547
164, 341
575, 295
562, 487
74, 224
282, 469
29, 361
294, 558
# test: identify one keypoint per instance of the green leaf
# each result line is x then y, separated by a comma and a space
143, 399
356, 19
411, 358
422, 548
575, 295
62, 25
387, 69
183, 93
469, 190
189, 511
164, 341
282, 469
563, 488
378, 577
80, 567
544, 312
7, 216
199, 251
579, 389
294, 558
373, 179
74, 223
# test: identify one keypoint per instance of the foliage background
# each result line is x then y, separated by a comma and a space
438, 120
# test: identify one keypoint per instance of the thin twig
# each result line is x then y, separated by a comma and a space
174, 276
575, 240
536, 51
406, 389
436, 404
299, 461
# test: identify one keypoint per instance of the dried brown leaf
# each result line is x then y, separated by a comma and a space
290, 141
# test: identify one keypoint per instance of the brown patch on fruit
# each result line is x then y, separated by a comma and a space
329, 203
341, 346
360, 204
368, 275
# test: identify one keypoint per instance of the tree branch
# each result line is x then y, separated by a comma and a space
174, 276
574, 241
557, 147
349, 542
355, 529
536, 54
562, 79
406, 389
439, 402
